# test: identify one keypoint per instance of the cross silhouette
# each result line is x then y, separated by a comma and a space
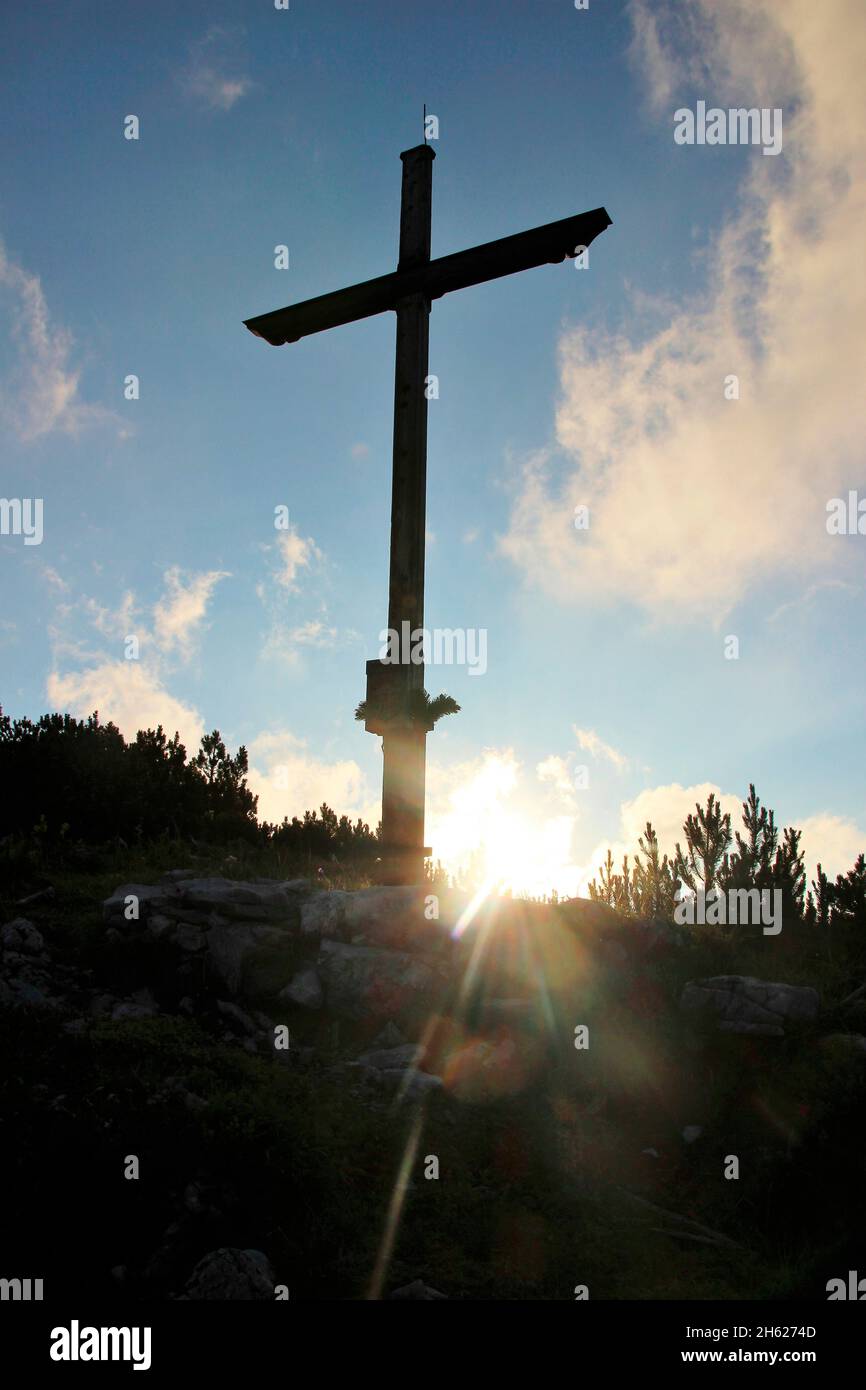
410, 290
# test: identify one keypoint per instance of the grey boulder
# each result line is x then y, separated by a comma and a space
743, 1004
385, 1058
364, 982
21, 935
417, 1290
248, 959
304, 989
324, 914
391, 917
234, 1274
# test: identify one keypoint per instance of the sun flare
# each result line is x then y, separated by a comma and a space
493, 832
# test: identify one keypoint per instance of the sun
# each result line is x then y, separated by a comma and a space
490, 832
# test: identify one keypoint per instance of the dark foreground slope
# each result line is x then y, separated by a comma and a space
507, 1112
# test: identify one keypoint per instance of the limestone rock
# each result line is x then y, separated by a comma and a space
743, 1004
324, 914
412, 1085
391, 917
304, 989
188, 938
255, 901
364, 982
141, 1005
405, 1055
229, 1273
21, 935
23, 994
248, 959
158, 924
417, 1290
755, 1030
152, 898
184, 896
389, 1036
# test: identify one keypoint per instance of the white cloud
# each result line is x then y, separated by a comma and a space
313, 634
359, 450
295, 553
667, 808
289, 644
834, 842
289, 780
735, 50
119, 622
695, 499
806, 600
215, 72
555, 771
128, 695
590, 741
179, 613
40, 395
54, 579
132, 693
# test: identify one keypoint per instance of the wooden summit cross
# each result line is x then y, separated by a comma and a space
409, 290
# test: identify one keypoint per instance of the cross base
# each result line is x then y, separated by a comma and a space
401, 865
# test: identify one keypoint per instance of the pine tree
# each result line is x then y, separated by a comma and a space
655, 885
705, 864
622, 896
849, 894
752, 864
605, 890
789, 874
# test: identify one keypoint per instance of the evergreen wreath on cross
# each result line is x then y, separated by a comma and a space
418, 706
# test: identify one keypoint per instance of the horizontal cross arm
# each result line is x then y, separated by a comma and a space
542, 246
554, 242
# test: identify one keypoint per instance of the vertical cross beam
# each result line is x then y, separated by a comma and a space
404, 744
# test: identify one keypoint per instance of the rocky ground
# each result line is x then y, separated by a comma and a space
546, 1096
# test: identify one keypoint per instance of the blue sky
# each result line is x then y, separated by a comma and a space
559, 386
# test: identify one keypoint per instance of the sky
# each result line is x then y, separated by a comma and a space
697, 387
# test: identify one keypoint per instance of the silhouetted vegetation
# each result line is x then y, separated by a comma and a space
70, 784
323, 835
80, 780
715, 859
